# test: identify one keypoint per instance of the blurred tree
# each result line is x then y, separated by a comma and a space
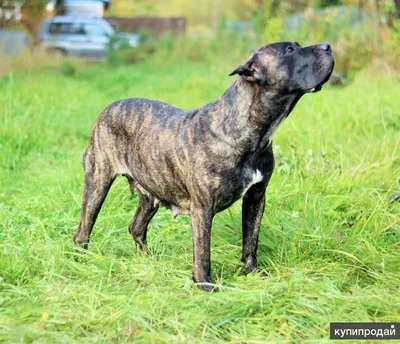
33, 12
59, 7
294, 6
9, 11
326, 3
397, 4
275, 6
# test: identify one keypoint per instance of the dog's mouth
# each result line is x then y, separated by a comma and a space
314, 89
319, 86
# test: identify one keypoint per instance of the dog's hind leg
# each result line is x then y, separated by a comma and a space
98, 180
144, 213
131, 181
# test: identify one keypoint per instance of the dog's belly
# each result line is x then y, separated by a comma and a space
152, 158
177, 206
163, 185
173, 194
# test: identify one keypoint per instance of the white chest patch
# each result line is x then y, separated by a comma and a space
256, 178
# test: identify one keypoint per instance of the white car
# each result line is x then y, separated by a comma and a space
83, 36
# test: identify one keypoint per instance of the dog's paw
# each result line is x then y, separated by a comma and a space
80, 242
143, 248
263, 274
256, 271
207, 287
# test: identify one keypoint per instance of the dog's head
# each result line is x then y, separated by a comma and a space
289, 68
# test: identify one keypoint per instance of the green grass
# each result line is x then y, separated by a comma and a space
330, 238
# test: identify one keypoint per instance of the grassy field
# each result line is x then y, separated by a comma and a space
330, 237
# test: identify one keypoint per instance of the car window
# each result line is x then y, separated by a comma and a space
94, 29
66, 28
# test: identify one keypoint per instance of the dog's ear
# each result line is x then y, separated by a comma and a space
250, 70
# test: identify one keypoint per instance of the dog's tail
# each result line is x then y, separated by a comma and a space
84, 160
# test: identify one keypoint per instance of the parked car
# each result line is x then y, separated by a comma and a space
83, 36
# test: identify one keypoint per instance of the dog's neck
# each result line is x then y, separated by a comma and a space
246, 116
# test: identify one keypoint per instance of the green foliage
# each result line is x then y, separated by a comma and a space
355, 49
329, 237
68, 69
145, 35
274, 30
391, 50
272, 8
327, 3
118, 50
129, 55
259, 21
120, 53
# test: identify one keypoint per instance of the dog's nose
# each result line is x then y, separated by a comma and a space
325, 47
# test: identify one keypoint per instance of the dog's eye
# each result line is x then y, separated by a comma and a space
289, 50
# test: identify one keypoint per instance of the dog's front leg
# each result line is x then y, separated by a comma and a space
201, 228
252, 212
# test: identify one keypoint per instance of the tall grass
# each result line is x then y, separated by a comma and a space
37, 60
329, 239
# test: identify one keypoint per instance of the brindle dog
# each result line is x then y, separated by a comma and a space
200, 162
